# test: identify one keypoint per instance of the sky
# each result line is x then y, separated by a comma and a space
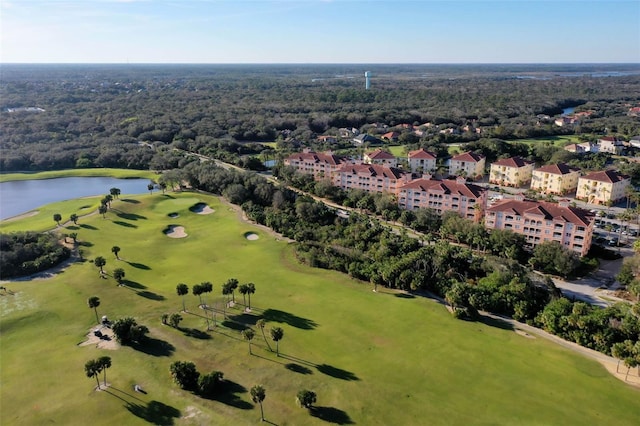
319, 31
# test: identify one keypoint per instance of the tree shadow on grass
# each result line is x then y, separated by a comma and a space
195, 333
125, 224
338, 373
151, 295
297, 368
91, 227
139, 265
331, 415
233, 325
495, 322
287, 318
133, 284
155, 347
129, 200
229, 395
155, 412
73, 227
405, 296
168, 196
244, 318
130, 216
85, 243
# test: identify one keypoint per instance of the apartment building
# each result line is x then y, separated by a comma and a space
611, 145
466, 199
556, 179
469, 165
603, 187
422, 161
541, 221
369, 177
320, 165
514, 171
380, 157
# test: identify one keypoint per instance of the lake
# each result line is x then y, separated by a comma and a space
18, 197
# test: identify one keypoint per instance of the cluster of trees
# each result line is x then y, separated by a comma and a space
127, 331
187, 376
134, 117
24, 253
94, 367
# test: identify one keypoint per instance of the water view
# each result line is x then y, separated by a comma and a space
18, 197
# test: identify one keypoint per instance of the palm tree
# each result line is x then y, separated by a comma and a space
197, 291
74, 218
277, 334
57, 217
226, 291
251, 289
306, 398
233, 285
118, 274
100, 262
92, 369
243, 290
182, 289
104, 362
248, 335
115, 192
257, 396
260, 324
94, 302
102, 210
150, 187
115, 250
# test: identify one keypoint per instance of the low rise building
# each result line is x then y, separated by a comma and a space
603, 187
380, 157
320, 165
611, 145
466, 199
422, 161
369, 177
556, 179
514, 171
541, 221
468, 164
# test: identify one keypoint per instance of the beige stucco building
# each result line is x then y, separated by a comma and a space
603, 187
312, 163
369, 177
556, 179
422, 161
541, 221
514, 171
469, 164
380, 157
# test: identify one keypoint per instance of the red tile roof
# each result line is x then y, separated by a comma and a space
391, 135
513, 162
550, 211
371, 170
609, 176
379, 154
446, 186
468, 156
422, 154
331, 159
557, 169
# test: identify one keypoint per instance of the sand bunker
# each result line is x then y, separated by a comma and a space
251, 236
202, 208
175, 231
102, 337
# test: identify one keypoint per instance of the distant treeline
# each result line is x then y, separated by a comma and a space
25, 253
133, 116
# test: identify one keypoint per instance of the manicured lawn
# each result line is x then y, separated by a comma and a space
398, 150
372, 358
114, 173
41, 219
555, 140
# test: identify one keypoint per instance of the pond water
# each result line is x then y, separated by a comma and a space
18, 197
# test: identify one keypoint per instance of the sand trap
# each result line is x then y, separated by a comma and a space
175, 231
173, 215
251, 236
106, 341
202, 208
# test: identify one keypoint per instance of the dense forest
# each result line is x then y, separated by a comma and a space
66, 116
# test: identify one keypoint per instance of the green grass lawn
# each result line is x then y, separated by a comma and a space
114, 173
372, 358
554, 140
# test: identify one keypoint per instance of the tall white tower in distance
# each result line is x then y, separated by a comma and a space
367, 80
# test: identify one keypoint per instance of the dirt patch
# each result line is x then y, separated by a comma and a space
524, 334
251, 236
101, 337
175, 231
21, 216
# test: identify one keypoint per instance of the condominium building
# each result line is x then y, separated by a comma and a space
422, 161
468, 200
469, 165
514, 171
541, 221
603, 187
556, 179
380, 157
312, 163
611, 145
369, 177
